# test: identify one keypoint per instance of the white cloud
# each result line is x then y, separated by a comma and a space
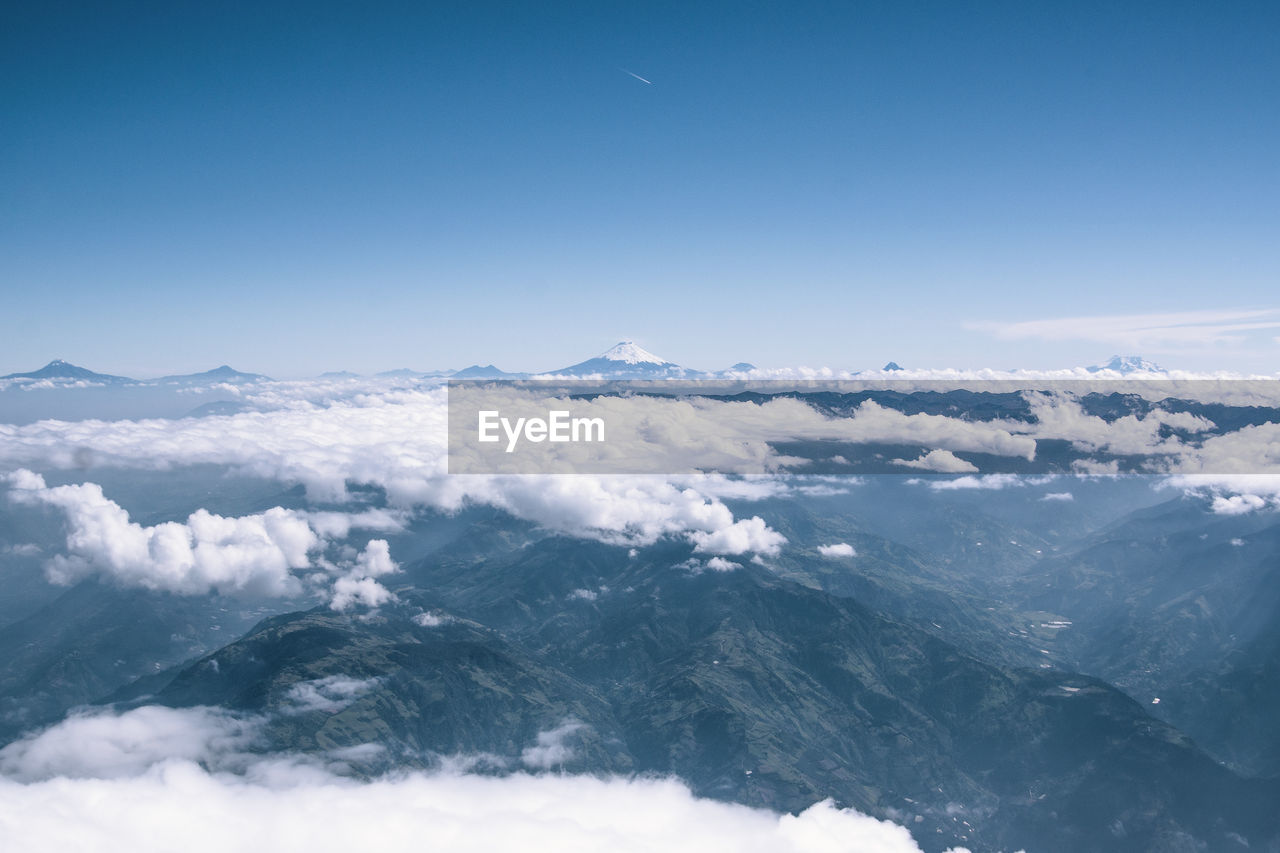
349, 592
251, 554
1060, 416
583, 595
1058, 496
942, 461
740, 537
1148, 332
103, 745
720, 564
162, 779
1237, 504
338, 525
329, 694
986, 481
1251, 450
328, 436
552, 748
395, 439
183, 807
1232, 494
22, 549
837, 550
1094, 468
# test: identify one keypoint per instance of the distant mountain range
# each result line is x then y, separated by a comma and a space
59, 370
625, 360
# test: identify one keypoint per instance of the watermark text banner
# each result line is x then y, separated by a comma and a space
864, 427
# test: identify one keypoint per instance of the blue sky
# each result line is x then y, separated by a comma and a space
320, 186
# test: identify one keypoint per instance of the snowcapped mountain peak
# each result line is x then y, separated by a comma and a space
1128, 364
625, 361
630, 353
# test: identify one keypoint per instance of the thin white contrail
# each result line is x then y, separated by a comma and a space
637, 76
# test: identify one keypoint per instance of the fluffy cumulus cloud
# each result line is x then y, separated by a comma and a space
101, 783
836, 550
359, 586
940, 461
740, 537
254, 553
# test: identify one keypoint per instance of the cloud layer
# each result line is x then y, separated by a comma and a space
396, 440
329, 437
134, 782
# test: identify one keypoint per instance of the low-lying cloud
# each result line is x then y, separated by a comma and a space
105, 782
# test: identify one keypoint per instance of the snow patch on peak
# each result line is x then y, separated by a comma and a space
630, 353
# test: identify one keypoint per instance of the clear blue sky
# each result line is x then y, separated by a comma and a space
297, 187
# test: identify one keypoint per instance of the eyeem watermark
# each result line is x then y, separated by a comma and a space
558, 426
957, 428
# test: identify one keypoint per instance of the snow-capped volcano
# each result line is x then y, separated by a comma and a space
63, 371
626, 360
632, 353
1127, 364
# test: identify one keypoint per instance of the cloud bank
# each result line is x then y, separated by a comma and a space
102, 782
329, 437
395, 440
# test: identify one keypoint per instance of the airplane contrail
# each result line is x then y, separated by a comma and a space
637, 76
